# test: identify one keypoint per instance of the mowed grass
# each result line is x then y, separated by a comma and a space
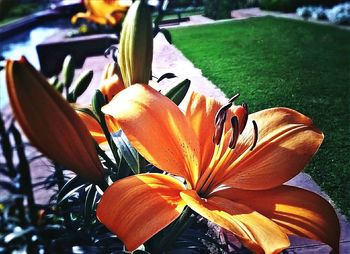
276, 62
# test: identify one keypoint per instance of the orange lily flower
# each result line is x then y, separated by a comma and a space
49, 122
239, 188
104, 12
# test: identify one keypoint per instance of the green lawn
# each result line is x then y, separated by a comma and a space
21, 10
279, 62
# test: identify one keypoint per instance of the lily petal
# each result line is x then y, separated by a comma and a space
93, 126
257, 232
200, 113
287, 141
137, 207
49, 121
111, 86
296, 211
157, 129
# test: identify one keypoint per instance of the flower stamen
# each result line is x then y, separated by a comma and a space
219, 128
233, 98
245, 118
255, 135
235, 133
220, 119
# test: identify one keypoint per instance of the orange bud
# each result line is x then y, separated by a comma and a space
112, 82
49, 121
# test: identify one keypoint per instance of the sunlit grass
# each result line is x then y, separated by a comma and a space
278, 62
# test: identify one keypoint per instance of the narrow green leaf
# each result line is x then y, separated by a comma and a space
17, 234
53, 80
167, 35
68, 69
129, 153
59, 87
69, 188
178, 93
82, 83
166, 76
87, 111
98, 101
90, 204
140, 252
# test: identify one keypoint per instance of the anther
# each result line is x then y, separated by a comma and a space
255, 135
233, 98
245, 117
245, 106
222, 111
219, 128
235, 133
111, 51
220, 119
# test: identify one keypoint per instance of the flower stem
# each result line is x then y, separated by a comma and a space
24, 172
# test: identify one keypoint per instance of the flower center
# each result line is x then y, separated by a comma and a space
225, 152
238, 123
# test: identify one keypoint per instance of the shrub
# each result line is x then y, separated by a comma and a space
339, 14
218, 9
183, 3
292, 5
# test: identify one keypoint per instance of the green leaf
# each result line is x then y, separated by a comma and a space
140, 252
82, 83
69, 188
17, 234
98, 101
59, 87
90, 204
167, 35
178, 93
87, 111
129, 153
68, 69
123, 170
53, 81
166, 76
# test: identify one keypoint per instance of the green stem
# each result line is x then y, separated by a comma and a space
7, 149
25, 177
108, 136
59, 175
109, 162
176, 230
